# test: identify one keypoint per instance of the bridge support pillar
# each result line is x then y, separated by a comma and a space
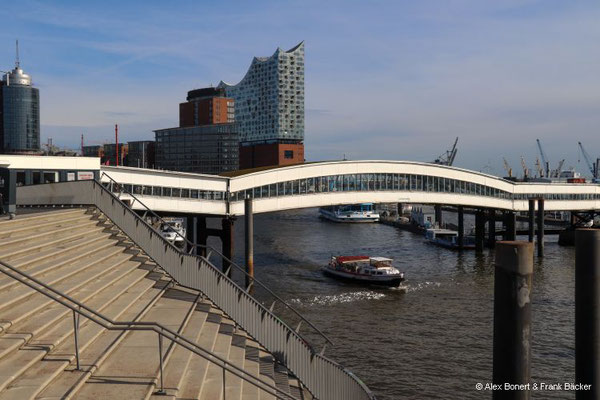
249, 245
8, 191
438, 214
201, 235
479, 230
461, 227
540, 228
191, 231
587, 313
491, 228
510, 226
531, 220
227, 242
512, 317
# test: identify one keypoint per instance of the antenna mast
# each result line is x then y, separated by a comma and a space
17, 61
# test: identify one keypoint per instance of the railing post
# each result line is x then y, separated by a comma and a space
76, 336
160, 356
587, 312
249, 225
223, 382
512, 317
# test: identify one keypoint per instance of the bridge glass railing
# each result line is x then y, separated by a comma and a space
392, 182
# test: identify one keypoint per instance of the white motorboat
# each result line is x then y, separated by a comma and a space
363, 212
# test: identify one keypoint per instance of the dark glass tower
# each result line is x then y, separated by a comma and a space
19, 113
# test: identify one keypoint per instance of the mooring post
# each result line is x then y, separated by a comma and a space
479, 230
249, 224
531, 221
540, 228
587, 312
491, 227
438, 215
461, 227
227, 243
512, 318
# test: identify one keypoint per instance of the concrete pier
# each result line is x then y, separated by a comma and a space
510, 226
587, 312
479, 230
438, 215
227, 242
491, 228
512, 317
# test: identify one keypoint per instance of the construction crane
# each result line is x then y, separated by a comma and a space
592, 167
546, 165
507, 167
448, 157
525, 169
556, 172
538, 167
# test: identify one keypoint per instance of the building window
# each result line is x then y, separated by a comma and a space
288, 154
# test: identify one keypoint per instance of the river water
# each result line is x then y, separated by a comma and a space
431, 338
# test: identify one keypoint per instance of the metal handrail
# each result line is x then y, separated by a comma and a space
252, 279
322, 377
162, 331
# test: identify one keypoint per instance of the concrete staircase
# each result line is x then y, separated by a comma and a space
80, 253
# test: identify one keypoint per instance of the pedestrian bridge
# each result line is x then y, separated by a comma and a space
337, 182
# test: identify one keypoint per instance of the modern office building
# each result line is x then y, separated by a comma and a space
19, 113
206, 149
93, 151
110, 154
269, 109
141, 154
206, 140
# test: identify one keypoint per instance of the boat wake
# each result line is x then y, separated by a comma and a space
324, 300
418, 286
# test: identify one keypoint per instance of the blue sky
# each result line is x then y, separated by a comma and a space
384, 79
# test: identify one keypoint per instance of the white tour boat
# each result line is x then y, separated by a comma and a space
364, 269
350, 213
173, 231
448, 238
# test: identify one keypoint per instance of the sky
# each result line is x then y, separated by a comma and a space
397, 80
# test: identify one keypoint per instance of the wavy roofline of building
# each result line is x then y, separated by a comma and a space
261, 60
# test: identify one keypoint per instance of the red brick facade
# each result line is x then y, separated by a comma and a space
262, 155
204, 112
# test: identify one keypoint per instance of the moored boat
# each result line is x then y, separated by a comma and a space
173, 231
448, 238
364, 269
363, 212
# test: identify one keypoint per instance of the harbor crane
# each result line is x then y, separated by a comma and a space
592, 167
448, 157
538, 167
525, 169
507, 167
546, 164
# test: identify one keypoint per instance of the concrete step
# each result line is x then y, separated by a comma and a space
14, 364
39, 218
36, 301
27, 261
131, 369
15, 293
179, 361
60, 257
212, 387
198, 366
67, 384
6, 246
249, 391
7, 255
267, 372
41, 227
60, 337
237, 352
